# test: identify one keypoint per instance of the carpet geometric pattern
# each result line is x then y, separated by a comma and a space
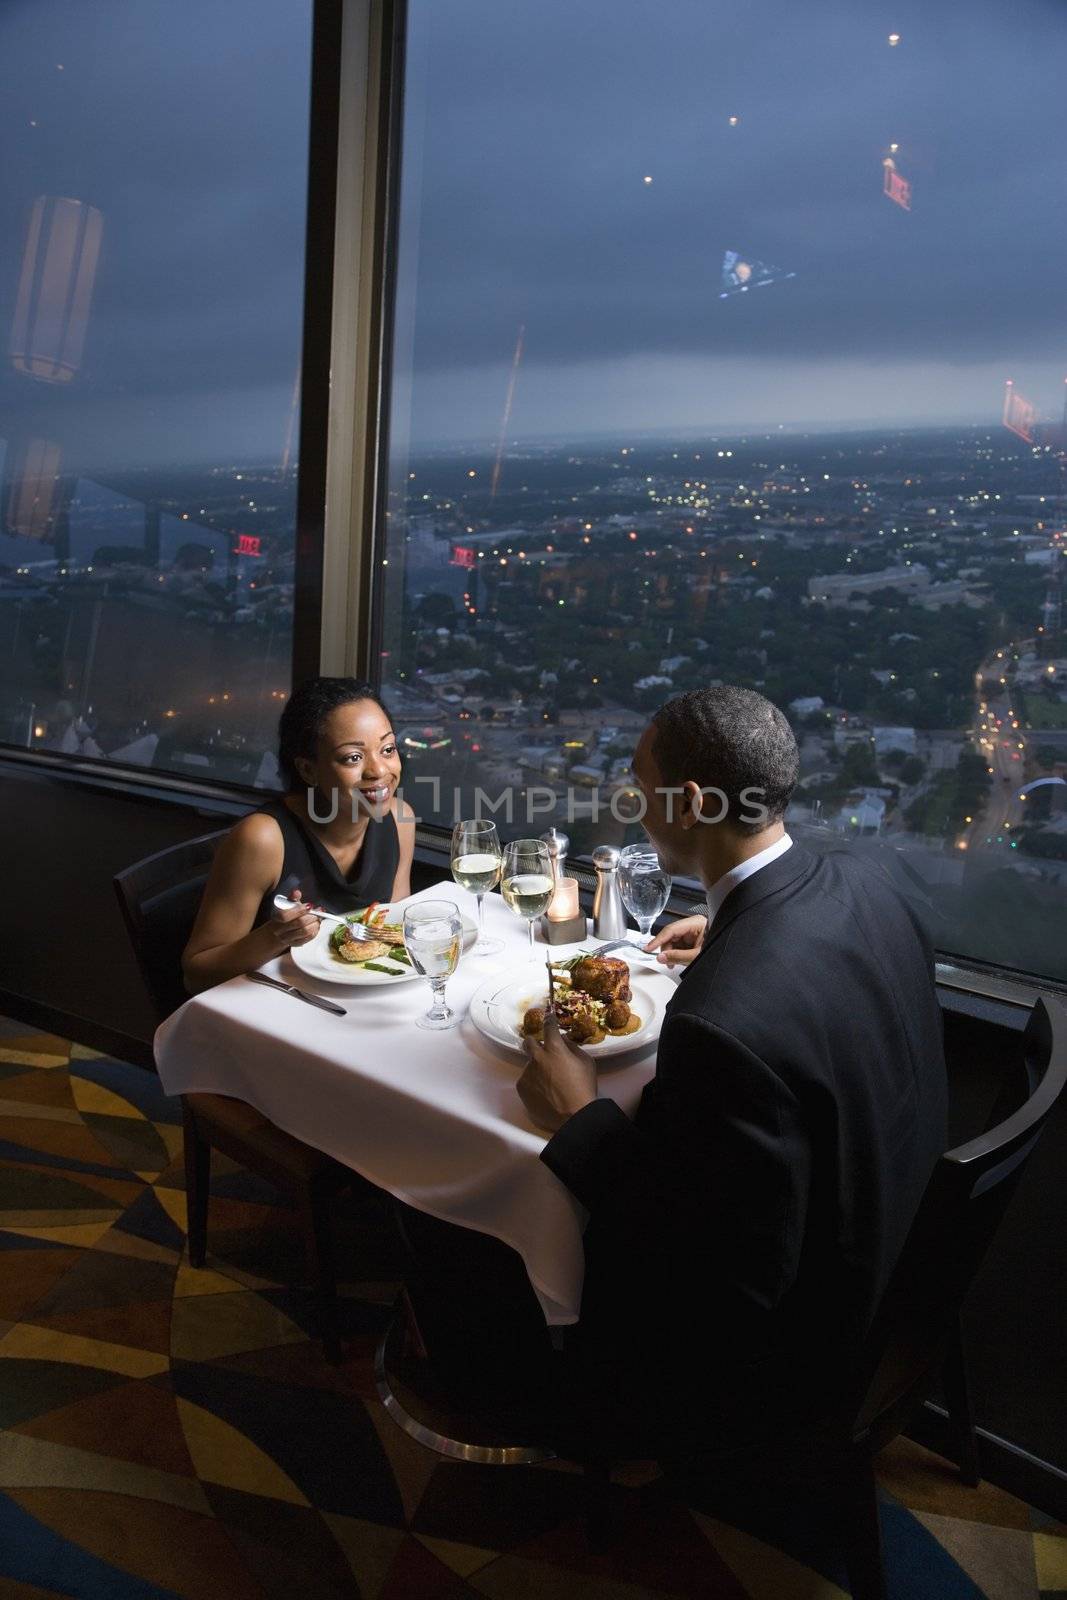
167, 1432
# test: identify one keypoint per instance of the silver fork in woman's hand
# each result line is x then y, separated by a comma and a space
357, 931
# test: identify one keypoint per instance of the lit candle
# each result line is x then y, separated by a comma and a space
564, 903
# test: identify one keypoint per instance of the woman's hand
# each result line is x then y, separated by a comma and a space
287, 928
680, 942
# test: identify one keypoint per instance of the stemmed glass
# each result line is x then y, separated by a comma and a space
526, 879
476, 866
645, 885
432, 933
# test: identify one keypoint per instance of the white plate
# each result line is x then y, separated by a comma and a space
319, 962
497, 1006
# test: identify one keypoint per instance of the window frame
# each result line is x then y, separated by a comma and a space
364, 297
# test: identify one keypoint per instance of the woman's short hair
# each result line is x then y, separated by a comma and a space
305, 712
733, 740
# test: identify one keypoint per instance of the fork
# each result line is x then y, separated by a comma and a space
357, 931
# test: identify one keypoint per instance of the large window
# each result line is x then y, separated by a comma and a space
729, 346
152, 218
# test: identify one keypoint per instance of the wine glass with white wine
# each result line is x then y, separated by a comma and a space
476, 864
526, 880
433, 930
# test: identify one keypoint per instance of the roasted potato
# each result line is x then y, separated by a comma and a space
583, 1026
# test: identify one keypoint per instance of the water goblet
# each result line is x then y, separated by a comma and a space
433, 930
645, 885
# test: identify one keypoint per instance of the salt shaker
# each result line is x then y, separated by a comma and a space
609, 915
558, 845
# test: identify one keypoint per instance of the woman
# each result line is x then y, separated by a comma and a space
332, 840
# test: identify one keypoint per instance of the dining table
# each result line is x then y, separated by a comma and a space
432, 1117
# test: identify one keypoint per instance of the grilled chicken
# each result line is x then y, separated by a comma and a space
604, 977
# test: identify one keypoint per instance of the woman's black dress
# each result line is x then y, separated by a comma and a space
309, 866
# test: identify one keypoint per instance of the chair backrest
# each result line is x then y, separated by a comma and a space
954, 1226
159, 898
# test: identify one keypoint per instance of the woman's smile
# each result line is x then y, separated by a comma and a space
376, 793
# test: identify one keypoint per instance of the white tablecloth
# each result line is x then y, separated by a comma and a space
432, 1117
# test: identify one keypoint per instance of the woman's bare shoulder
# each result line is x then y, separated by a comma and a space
256, 838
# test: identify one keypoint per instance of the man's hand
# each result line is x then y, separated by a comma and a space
558, 1080
680, 941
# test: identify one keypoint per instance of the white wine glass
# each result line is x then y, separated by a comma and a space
432, 933
645, 885
526, 880
476, 862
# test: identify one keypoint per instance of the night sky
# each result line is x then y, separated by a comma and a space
529, 131
538, 123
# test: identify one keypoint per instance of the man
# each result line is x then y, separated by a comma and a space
744, 1223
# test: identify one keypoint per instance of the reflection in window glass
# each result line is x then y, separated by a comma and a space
729, 347
152, 206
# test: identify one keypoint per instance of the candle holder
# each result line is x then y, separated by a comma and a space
572, 931
564, 921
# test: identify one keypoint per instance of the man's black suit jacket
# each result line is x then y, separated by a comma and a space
744, 1223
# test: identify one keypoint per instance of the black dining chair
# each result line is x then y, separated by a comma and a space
915, 1336
159, 897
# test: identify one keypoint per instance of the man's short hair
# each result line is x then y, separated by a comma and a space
733, 740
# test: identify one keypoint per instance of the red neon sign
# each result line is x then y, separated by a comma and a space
463, 555
1019, 415
896, 187
248, 544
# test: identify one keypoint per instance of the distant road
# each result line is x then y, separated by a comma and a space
1000, 740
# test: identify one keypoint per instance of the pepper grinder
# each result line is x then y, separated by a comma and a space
609, 915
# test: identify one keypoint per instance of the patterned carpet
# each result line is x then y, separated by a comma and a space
168, 1432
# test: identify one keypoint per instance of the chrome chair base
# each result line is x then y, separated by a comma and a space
443, 1444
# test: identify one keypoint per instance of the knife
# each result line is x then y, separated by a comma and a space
290, 988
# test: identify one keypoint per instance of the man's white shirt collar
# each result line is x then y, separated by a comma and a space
744, 869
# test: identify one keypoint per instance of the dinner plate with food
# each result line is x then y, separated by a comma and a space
337, 956
599, 1003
